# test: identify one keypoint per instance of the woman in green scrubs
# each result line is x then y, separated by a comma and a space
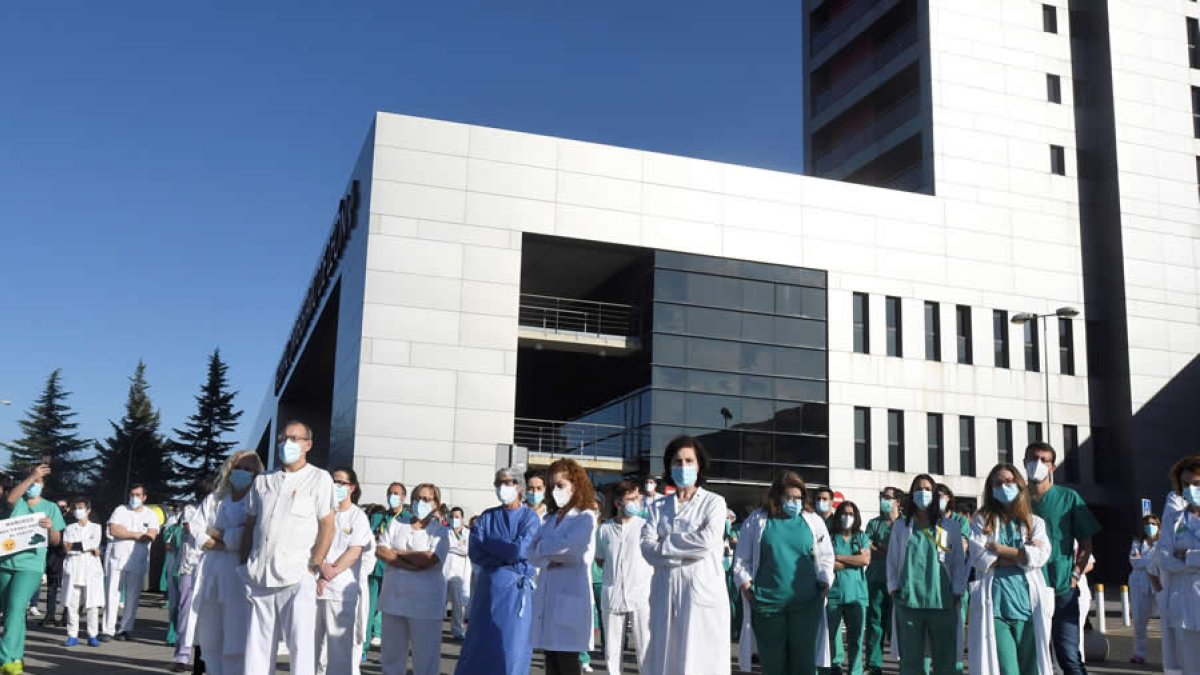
847, 600
926, 577
21, 572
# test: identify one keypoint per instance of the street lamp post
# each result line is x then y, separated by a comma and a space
1024, 318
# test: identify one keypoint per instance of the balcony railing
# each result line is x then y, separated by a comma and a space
891, 47
576, 439
875, 130
568, 315
822, 37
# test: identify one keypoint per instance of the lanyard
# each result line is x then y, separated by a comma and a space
936, 538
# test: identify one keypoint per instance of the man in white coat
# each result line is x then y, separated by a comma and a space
458, 572
626, 589
131, 529
287, 536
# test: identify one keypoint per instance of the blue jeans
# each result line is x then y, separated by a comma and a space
1064, 634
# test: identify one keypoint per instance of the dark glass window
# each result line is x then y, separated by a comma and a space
1034, 431
1196, 112
1066, 346
1053, 88
862, 438
1193, 38
1000, 338
1058, 160
962, 320
895, 332
936, 443
862, 324
933, 332
1033, 358
1050, 18
1071, 470
966, 446
895, 440
800, 301
1004, 446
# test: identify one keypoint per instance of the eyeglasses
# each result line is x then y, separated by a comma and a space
343, 482
296, 439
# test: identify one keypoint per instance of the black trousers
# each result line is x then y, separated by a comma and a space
562, 663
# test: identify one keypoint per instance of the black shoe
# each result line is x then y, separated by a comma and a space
105, 637
181, 668
121, 637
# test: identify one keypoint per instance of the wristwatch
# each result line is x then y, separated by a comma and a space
315, 568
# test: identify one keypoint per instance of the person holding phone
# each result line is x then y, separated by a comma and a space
83, 575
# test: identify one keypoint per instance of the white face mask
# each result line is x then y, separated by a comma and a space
562, 496
1036, 470
507, 494
848, 522
290, 451
81, 514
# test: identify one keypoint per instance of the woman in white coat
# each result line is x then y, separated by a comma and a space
1143, 585
784, 566
1177, 556
1011, 606
220, 602
683, 541
83, 575
340, 630
562, 550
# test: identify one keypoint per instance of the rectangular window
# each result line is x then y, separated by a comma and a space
1058, 160
966, 446
935, 441
1050, 18
1053, 88
1032, 357
1034, 431
1193, 37
862, 323
962, 322
862, 438
1071, 470
933, 332
1004, 448
1198, 170
1066, 346
1000, 338
895, 440
895, 337
1195, 112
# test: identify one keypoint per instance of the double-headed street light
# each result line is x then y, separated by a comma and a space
1025, 317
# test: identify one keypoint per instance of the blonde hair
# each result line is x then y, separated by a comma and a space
221, 486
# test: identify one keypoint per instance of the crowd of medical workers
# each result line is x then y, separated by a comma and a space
803, 586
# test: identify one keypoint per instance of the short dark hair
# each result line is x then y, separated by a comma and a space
535, 473
87, 503
817, 492
674, 446
398, 484
897, 493
1041, 446
459, 510
774, 501
619, 490
136, 486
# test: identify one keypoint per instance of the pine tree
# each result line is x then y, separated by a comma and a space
48, 430
201, 448
135, 453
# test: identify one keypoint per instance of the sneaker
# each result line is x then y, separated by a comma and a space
1137, 659
105, 637
181, 668
71, 642
585, 668
121, 637
375, 641
34, 611
12, 668
93, 642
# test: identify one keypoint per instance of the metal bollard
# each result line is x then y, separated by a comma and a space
1101, 615
1125, 606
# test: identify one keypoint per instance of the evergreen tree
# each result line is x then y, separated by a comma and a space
135, 453
49, 431
201, 448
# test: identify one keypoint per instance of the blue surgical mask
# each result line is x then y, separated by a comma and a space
289, 451
633, 509
885, 506
534, 498
135, 503
1151, 530
1192, 494
791, 507
340, 492
1007, 493
422, 509
822, 506
34, 491
395, 501
922, 498
240, 479
456, 522
684, 476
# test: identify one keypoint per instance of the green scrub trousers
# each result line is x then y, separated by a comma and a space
787, 640
926, 614
20, 577
854, 615
879, 601
787, 607
847, 602
1016, 647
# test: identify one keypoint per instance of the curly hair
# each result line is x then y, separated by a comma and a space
583, 495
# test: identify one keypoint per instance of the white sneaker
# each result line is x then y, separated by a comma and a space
585, 668
375, 641
34, 611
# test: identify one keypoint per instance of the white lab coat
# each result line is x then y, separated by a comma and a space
458, 576
625, 589
953, 560
220, 604
1179, 603
563, 551
745, 567
689, 603
83, 575
982, 650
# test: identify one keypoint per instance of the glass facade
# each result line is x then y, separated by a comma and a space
935, 441
862, 438
895, 440
1004, 446
895, 334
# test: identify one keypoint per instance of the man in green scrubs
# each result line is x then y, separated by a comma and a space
879, 603
1068, 522
21, 573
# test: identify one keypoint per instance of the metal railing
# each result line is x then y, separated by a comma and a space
823, 36
567, 315
875, 130
892, 46
578, 439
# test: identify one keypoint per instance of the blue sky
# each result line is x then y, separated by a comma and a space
169, 171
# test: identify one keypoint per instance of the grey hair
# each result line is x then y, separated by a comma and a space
507, 472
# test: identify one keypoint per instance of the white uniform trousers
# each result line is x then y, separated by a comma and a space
614, 637
130, 583
459, 593
338, 646
289, 612
221, 634
1142, 607
425, 637
1185, 652
72, 596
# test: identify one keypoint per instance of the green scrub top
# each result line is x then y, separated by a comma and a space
850, 583
787, 569
1010, 590
879, 532
1067, 519
32, 560
924, 583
